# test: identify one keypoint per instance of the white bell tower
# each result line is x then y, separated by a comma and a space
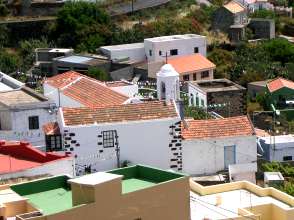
168, 84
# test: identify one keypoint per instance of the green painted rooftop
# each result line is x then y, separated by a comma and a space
53, 195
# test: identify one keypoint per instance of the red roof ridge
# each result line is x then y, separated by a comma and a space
278, 83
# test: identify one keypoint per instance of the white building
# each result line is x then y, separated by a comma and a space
157, 48
277, 148
212, 145
139, 133
125, 52
23, 112
255, 5
72, 89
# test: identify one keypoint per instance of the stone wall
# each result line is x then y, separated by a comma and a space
235, 102
262, 28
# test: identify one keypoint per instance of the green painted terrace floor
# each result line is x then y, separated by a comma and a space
52, 201
133, 184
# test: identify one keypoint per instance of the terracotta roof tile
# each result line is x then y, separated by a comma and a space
87, 91
217, 128
279, 83
121, 113
190, 63
51, 128
234, 7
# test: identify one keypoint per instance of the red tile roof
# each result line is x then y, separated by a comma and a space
279, 83
218, 128
51, 128
122, 113
18, 156
190, 63
87, 91
234, 7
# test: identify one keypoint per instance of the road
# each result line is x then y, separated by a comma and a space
125, 8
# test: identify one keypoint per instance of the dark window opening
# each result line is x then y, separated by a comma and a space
174, 52
160, 53
33, 122
204, 74
108, 139
150, 53
53, 142
194, 76
186, 77
287, 158
196, 50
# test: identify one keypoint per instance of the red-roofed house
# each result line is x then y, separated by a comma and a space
212, 145
192, 67
20, 159
140, 133
280, 93
72, 89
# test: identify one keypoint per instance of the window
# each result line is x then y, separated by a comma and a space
186, 77
160, 53
287, 158
194, 76
192, 99
150, 53
204, 74
174, 52
53, 143
196, 50
108, 139
197, 101
33, 122
202, 102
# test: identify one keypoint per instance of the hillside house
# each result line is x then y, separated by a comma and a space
23, 112
222, 96
212, 145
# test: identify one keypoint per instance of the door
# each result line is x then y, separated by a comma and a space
229, 155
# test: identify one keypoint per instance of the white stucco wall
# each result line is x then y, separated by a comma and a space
59, 99
59, 167
129, 91
196, 92
135, 52
143, 142
206, 156
278, 154
185, 46
20, 126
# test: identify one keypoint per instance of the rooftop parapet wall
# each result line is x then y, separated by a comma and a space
272, 192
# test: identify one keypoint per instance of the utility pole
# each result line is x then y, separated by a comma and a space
132, 6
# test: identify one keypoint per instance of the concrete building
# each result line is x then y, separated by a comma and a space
79, 63
20, 159
45, 56
230, 15
23, 112
136, 192
212, 145
277, 148
239, 200
256, 88
255, 5
218, 95
157, 48
125, 52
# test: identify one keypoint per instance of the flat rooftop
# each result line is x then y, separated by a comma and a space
79, 59
124, 46
216, 85
50, 195
15, 97
54, 50
141, 177
231, 201
174, 37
